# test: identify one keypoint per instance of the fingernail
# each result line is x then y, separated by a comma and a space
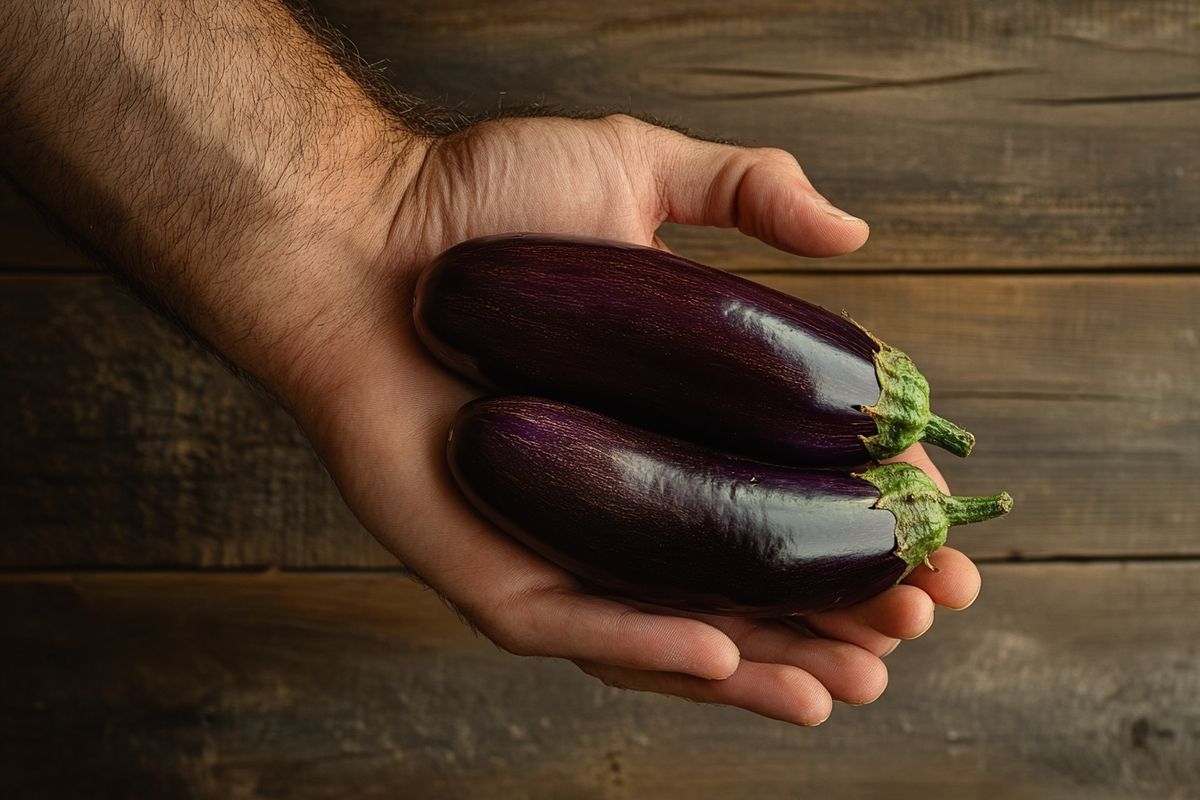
833, 211
970, 602
852, 704
924, 630
890, 650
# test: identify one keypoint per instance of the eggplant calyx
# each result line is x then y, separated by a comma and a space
923, 514
902, 416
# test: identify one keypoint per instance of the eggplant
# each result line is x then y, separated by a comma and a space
671, 345
655, 519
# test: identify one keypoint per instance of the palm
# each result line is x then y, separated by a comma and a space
603, 179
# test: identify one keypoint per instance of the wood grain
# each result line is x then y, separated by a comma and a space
1076, 387
1061, 134
1040, 161
1063, 681
1001, 134
124, 445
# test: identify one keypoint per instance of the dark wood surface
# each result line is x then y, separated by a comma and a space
1064, 681
189, 610
971, 135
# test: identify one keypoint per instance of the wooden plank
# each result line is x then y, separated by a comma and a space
1064, 133
1064, 681
123, 445
1078, 389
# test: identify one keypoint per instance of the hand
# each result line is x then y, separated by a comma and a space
282, 214
378, 410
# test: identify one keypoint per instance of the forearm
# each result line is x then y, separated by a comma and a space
213, 153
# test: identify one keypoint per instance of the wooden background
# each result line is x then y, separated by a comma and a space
187, 610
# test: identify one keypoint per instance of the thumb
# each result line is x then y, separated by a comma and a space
761, 191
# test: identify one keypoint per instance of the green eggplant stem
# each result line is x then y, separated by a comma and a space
947, 435
901, 414
923, 513
965, 510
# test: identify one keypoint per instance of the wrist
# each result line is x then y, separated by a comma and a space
315, 305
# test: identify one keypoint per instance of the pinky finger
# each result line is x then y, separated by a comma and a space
902, 612
585, 627
776, 691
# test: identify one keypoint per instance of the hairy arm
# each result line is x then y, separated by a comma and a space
220, 159
214, 154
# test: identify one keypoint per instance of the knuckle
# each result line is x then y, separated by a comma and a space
512, 638
624, 121
499, 623
632, 131
776, 155
519, 646
514, 623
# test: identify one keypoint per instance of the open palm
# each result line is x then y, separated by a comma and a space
382, 432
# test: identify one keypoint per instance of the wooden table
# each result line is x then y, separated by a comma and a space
189, 610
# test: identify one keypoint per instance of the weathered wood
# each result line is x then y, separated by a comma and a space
1064, 681
1060, 133
1079, 390
970, 134
124, 445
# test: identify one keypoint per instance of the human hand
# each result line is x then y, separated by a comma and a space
378, 410
259, 194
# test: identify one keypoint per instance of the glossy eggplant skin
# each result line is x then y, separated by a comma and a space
655, 519
655, 340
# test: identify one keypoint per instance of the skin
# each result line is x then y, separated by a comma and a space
220, 161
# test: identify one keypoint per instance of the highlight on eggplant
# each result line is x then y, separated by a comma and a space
652, 518
671, 345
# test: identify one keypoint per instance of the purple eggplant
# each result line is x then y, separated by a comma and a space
655, 519
674, 346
